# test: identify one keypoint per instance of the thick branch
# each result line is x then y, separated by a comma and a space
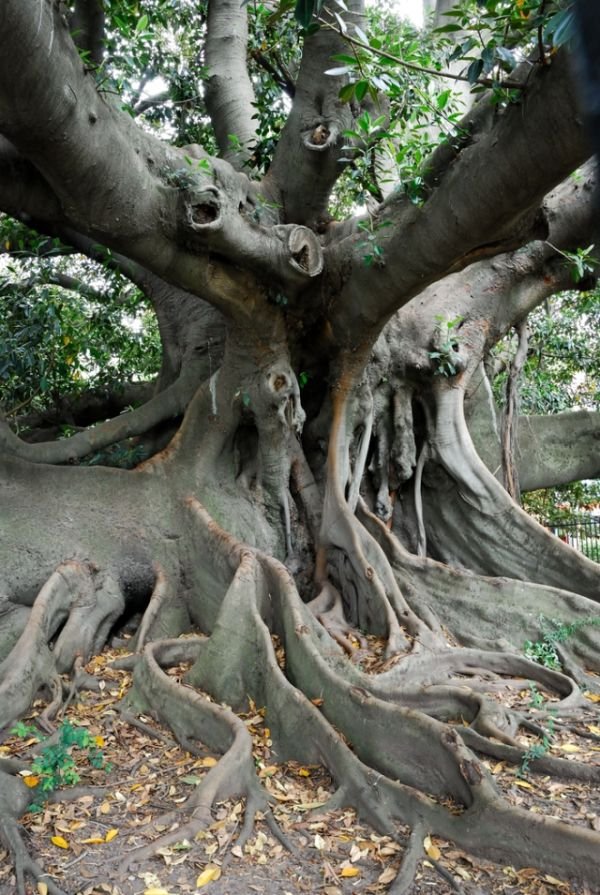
522, 153
229, 91
127, 190
168, 404
306, 164
556, 449
87, 408
87, 24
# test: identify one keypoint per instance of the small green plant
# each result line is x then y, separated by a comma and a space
447, 344
543, 651
186, 178
538, 750
55, 766
581, 263
536, 700
24, 731
370, 242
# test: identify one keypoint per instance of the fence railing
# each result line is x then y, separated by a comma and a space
581, 533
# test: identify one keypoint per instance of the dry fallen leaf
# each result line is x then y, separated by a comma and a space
320, 842
388, 875
555, 882
432, 850
210, 873
350, 871
570, 747
523, 784
111, 835
42, 888
31, 780
59, 842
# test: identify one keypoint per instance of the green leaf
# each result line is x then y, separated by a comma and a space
474, 70
337, 72
561, 27
347, 93
303, 12
443, 29
142, 24
361, 89
343, 57
361, 34
443, 98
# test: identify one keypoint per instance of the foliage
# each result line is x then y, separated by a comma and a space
55, 340
493, 36
562, 371
581, 263
55, 766
555, 505
404, 112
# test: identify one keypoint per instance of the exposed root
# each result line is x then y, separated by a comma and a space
402, 760
80, 680
32, 663
52, 709
190, 715
474, 608
410, 861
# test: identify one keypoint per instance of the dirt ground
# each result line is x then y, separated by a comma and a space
85, 842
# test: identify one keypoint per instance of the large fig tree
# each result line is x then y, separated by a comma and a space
324, 459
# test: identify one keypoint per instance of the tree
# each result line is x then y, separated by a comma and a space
311, 472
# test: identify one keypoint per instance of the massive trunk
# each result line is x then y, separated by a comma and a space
356, 507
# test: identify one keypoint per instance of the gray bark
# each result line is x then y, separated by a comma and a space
229, 91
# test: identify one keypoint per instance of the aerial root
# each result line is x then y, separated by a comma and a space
329, 611
161, 595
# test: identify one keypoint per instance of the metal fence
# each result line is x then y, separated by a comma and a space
583, 533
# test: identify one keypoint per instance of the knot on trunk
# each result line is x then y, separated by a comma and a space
320, 136
305, 253
203, 209
283, 393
